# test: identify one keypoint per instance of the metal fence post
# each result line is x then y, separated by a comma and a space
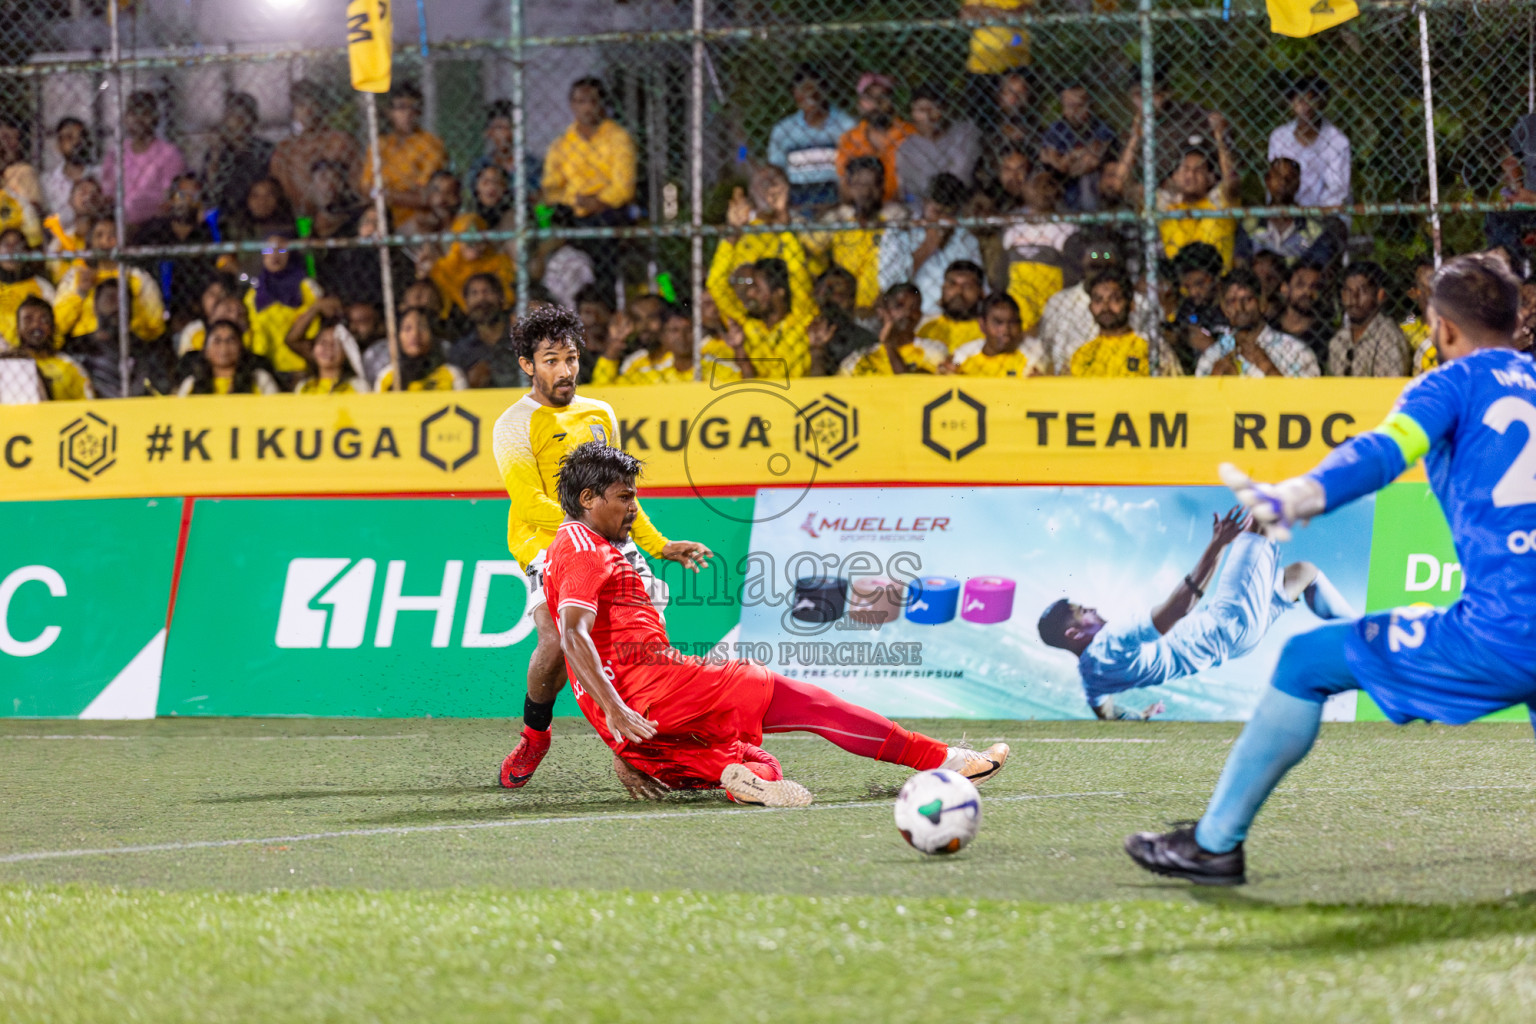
696, 188
1149, 233
1429, 134
119, 212
519, 158
386, 272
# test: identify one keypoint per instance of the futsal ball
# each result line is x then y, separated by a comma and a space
938, 811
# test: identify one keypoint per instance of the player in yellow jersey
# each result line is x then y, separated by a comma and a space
529, 441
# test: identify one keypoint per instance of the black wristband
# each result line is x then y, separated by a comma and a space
1191, 585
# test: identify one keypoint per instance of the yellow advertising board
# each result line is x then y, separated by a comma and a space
929, 430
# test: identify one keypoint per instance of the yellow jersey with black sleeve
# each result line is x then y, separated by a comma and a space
529, 440
322, 386
639, 367
1113, 355
950, 333
718, 363
269, 327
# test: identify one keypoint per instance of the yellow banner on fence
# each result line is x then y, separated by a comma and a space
928, 430
370, 44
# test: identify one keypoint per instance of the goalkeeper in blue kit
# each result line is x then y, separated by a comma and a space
1473, 421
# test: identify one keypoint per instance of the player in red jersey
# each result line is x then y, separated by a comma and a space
679, 722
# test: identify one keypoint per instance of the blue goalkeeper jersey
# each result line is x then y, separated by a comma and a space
1473, 421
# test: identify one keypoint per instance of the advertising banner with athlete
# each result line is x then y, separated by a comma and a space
929, 601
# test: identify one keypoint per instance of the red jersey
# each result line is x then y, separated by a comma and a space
702, 710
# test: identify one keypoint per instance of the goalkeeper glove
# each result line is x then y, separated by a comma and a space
1276, 507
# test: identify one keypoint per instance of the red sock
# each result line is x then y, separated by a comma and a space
801, 707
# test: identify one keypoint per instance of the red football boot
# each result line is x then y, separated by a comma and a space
520, 765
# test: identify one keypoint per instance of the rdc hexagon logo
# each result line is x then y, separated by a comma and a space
88, 447
827, 430
954, 425
450, 437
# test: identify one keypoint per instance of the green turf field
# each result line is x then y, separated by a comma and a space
308, 870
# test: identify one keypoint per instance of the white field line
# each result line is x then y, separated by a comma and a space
406, 830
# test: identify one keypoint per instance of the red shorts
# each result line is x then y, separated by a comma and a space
704, 712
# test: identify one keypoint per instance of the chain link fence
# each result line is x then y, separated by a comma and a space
863, 145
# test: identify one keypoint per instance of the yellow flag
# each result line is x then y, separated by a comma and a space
1308, 17
370, 43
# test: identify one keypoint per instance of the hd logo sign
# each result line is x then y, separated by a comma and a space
326, 603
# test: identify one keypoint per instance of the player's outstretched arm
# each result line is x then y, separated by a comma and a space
1191, 588
624, 723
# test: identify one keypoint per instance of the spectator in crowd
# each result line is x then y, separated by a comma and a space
1181, 126
595, 307
921, 254
221, 287
354, 273
227, 367
1067, 322
1076, 147
634, 349
995, 50
18, 281
67, 232
1320, 150
75, 162
339, 214
486, 354
328, 370
778, 309
835, 333
938, 145
878, 135
1118, 351
1034, 248
1515, 230
151, 163
958, 321
17, 174
283, 291
564, 267
1195, 187
1005, 174
293, 159
150, 362
1270, 268
857, 250
266, 213
422, 365
443, 200
719, 363
490, 195
365, 322
766, 202
408, 155
237, 157
422, 294
464, 260
1249, 347
498, 152
33, 332
804, 144
591, 168
1317, 240
16, 212
1303, 317
1368, 344
328, 309
1416, 327
1198, 267
1000, 351
1015, 120
898, 350
1525, 334
73, 306
181, 277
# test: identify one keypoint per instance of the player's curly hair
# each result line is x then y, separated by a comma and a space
592, 466
550, 323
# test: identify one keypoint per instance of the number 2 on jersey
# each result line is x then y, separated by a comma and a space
1518, 484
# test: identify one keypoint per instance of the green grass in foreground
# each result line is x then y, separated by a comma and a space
468, 955
1391, 876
